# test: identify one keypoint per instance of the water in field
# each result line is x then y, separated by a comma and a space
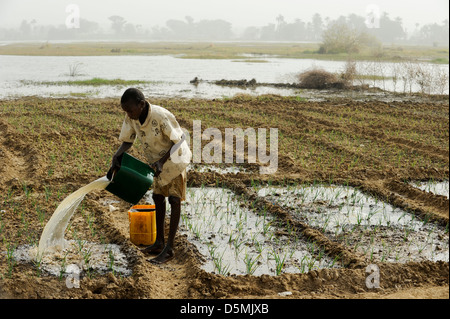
368, 225
437, 188
168, 76
221, 169
52, 237
235, 240
78, 258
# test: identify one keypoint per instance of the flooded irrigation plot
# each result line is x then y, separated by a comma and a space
235, 240
78, 257
437, 188
365, 224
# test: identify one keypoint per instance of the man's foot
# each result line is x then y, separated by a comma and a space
154, 249
166, 255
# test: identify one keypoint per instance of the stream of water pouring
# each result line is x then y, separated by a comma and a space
53, 235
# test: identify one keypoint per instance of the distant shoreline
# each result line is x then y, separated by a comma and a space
221, 50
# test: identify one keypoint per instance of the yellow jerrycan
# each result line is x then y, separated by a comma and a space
142, 224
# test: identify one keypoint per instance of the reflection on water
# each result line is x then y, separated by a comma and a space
169, 76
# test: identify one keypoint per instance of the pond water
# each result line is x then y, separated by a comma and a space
169, 76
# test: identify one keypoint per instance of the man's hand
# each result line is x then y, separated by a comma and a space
115, 166
157, 167
117, 159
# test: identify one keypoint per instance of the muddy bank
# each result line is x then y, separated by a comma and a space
331, 92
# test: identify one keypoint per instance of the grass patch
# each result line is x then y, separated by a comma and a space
440, 61
80, 94
372, 77
251, 61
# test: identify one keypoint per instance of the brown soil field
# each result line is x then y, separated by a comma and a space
51, 147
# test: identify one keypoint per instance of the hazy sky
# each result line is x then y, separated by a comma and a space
240, 13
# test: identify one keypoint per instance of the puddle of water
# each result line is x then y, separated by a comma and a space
235, 240
369, 226
218, 169
78, 256
437, 188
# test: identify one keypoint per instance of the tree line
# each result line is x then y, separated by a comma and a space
389, 30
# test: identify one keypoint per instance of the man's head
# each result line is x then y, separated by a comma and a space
133, 103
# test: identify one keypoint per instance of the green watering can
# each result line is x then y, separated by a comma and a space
132, 180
